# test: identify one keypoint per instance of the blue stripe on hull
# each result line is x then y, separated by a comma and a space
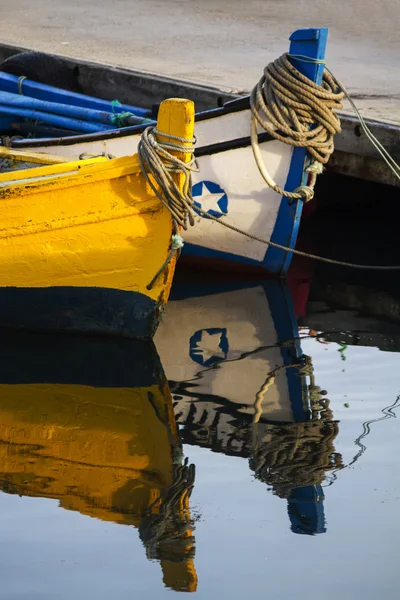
100, 311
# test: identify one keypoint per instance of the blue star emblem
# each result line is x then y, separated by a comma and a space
211, 198
209, 346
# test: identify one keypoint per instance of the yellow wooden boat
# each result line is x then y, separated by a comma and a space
90, 422
81, 241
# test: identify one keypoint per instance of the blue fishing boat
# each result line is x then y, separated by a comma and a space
232, 189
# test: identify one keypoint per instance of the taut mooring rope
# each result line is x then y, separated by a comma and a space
385, 155
331, 261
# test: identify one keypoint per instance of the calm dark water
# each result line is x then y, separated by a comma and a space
285, 399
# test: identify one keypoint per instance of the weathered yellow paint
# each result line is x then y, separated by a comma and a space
105, 452
89, 223
33, 157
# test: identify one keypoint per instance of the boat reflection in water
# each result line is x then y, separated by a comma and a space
90, 422
242, 386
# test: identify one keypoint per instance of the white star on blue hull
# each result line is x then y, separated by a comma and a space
211, 198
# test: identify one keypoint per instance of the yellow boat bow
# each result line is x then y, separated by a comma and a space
80, 241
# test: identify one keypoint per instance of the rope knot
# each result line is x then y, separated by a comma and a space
305, 192
315, 167
177, 242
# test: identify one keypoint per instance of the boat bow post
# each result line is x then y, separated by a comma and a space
168, 156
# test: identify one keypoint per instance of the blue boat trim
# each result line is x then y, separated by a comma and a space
306, 42
311, 43
83, 310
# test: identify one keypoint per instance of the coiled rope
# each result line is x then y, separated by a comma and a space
294, 455
157, 158
296, 111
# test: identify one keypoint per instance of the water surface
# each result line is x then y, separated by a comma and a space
287, 414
